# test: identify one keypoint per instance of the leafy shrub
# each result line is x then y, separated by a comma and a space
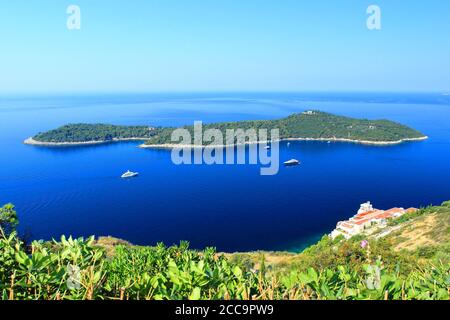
332, 269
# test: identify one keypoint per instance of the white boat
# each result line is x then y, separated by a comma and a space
267, 147
129, 174
292, 162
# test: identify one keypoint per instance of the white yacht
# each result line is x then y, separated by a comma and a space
292, 162
129, 174
267, 147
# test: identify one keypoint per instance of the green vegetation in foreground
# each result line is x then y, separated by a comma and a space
331, 269
75, 133
317, 125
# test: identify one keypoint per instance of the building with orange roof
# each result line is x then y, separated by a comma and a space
396, 212
367, 218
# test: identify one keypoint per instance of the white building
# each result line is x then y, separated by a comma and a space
365, 207
367, 217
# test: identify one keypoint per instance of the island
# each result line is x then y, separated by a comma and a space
85, 134
308, 125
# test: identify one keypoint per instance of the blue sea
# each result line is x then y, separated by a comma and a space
78, 190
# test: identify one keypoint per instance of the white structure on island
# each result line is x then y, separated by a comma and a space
365, 207
367, 218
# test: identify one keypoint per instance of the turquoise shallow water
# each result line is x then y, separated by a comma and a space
78, 190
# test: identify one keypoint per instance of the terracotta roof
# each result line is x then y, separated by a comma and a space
395, 210
347, 225
367, 215
360, 222
384, 215
363, 214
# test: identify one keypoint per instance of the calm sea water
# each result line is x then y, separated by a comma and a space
78, 190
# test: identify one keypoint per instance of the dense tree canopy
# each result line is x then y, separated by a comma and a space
313, 125
94, 132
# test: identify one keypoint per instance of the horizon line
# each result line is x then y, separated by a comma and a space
149, 92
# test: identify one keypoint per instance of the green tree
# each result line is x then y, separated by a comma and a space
8, 219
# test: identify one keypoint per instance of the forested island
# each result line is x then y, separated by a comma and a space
309, 125
83, 133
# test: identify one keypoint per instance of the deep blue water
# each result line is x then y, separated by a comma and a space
78, 190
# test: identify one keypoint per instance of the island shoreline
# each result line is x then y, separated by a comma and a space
31, 141
364, 142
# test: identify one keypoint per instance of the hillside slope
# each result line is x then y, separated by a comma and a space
411, 240
380, 268
429, 228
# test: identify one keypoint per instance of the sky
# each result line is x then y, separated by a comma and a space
224, 45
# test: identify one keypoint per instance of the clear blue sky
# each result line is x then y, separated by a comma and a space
224, 45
